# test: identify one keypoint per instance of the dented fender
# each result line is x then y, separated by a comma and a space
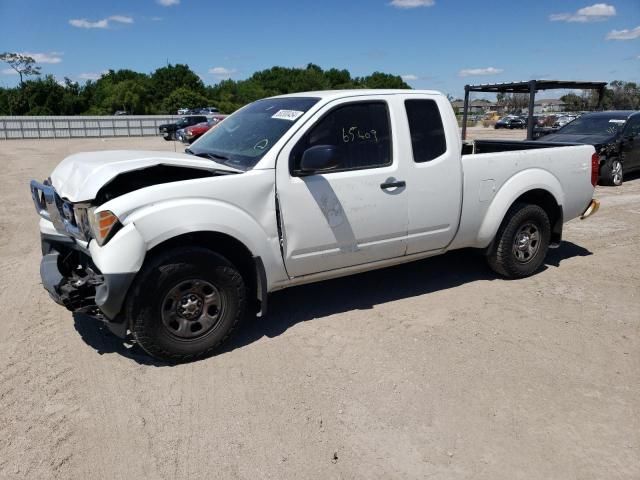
163, 221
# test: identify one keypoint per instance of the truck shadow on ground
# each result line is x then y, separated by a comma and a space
95, 334
363, 291
358, 292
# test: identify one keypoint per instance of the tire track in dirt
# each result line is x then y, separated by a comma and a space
38, 387
40, 410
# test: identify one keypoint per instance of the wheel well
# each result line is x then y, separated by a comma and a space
547, 202
227, 246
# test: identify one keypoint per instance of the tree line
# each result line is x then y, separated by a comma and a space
177, 86
618, 95
169, 88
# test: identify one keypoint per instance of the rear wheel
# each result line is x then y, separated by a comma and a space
521, 243
185, 303
612, 172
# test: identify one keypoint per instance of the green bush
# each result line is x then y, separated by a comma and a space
173, 87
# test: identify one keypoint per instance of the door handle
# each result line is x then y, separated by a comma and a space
397, 183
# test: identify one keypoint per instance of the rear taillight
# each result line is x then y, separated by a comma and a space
595, 168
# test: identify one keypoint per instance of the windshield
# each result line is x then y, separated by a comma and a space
247, 135
594, 125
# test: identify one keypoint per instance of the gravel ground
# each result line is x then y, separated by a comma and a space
433, 369
489, 133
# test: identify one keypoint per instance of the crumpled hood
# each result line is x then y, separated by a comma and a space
79, 177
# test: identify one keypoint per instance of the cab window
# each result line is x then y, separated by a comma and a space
427, 132
359, 132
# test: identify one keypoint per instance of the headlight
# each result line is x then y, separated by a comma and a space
81, 215
103, 225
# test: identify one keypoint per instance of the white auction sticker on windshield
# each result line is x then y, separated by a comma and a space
290, 115
616, 120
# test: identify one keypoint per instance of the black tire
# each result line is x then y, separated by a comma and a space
154, 312
612, 173
167, 138
511, 254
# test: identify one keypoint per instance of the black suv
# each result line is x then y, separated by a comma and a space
168, 130
510, 123
616, 137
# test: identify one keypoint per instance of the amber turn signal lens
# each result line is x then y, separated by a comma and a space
102, 224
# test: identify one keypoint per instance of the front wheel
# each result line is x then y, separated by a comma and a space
612, 172
521, 243
185, 303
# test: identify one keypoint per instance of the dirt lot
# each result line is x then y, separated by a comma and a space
435, 369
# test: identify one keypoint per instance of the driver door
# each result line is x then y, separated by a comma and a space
357, 212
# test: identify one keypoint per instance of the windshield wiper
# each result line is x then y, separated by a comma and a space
211, 156
214, 157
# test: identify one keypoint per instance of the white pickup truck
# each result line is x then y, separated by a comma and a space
173, 249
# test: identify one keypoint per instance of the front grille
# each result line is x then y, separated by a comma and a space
66, 217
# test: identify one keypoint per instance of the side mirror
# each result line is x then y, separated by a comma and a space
318, 159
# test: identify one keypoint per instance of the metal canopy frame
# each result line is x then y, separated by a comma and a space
531, 87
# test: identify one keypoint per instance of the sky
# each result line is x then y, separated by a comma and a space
433, 44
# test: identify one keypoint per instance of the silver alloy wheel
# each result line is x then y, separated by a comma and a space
526, 243
616, 172
192, 308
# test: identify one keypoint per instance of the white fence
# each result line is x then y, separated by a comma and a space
80, 126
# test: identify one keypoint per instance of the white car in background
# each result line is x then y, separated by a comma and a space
563, 120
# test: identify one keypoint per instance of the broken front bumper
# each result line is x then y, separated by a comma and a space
73, 280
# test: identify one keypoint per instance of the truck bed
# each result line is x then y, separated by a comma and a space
495, 146
506, 169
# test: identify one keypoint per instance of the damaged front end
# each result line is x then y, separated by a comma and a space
73, 281
72, 223
67, 271
70, 277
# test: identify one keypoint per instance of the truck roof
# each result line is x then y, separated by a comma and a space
356, 92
